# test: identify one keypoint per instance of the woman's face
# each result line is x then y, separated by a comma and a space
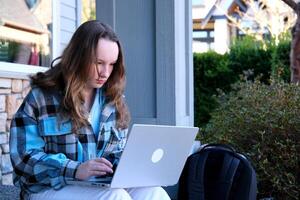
107, 55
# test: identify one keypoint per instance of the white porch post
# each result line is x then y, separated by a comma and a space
222, 36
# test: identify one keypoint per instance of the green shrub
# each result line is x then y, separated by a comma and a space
213, 71
8, 50
263, 122
250, 54
210, 73
281, 59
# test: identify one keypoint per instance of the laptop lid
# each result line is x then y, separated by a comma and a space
154, 155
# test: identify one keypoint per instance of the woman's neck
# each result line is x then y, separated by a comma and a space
89, 95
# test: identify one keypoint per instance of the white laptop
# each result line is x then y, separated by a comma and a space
154, 155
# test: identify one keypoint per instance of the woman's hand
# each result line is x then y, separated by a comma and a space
94, 167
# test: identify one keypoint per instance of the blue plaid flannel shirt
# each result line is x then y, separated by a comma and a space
44, 151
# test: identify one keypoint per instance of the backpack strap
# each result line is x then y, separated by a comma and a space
200, 169
220, 146
229, 168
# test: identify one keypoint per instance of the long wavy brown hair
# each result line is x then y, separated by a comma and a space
70, 74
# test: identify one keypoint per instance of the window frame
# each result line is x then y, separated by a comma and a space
17, 70
209, 40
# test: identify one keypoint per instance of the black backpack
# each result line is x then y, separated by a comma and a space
217, 172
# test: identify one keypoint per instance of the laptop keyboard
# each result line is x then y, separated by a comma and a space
101, 179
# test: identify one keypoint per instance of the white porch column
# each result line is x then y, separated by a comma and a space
222, 37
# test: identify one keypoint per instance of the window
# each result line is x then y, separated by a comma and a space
26, 32
203, 40
200, 34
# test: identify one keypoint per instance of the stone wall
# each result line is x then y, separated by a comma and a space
12, 93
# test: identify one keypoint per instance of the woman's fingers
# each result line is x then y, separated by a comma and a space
97, 173
104, 160
101, 167
95, 167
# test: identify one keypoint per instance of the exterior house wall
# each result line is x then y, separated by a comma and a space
208, 14
222, 36
66, 18
69, 21
14, 83
200, 47
158, 57
12, 93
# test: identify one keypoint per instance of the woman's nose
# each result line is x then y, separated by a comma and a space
103, 71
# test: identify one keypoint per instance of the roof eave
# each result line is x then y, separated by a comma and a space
19, 26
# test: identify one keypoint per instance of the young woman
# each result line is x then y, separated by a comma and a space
73, 123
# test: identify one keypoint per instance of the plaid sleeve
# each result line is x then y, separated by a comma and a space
31, 164
115, 145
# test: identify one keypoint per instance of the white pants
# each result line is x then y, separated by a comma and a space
74, 192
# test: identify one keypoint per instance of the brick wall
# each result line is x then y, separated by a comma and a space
12, 93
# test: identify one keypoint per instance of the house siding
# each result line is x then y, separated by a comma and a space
68, 21
139, 50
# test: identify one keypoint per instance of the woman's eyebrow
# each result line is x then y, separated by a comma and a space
100, 60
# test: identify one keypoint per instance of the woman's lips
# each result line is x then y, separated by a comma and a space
100, 81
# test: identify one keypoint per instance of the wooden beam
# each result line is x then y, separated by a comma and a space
291, 4
20, 35
197, 24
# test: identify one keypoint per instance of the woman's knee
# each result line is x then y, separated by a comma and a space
119, 194
146, 193
77, 193
160, 192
